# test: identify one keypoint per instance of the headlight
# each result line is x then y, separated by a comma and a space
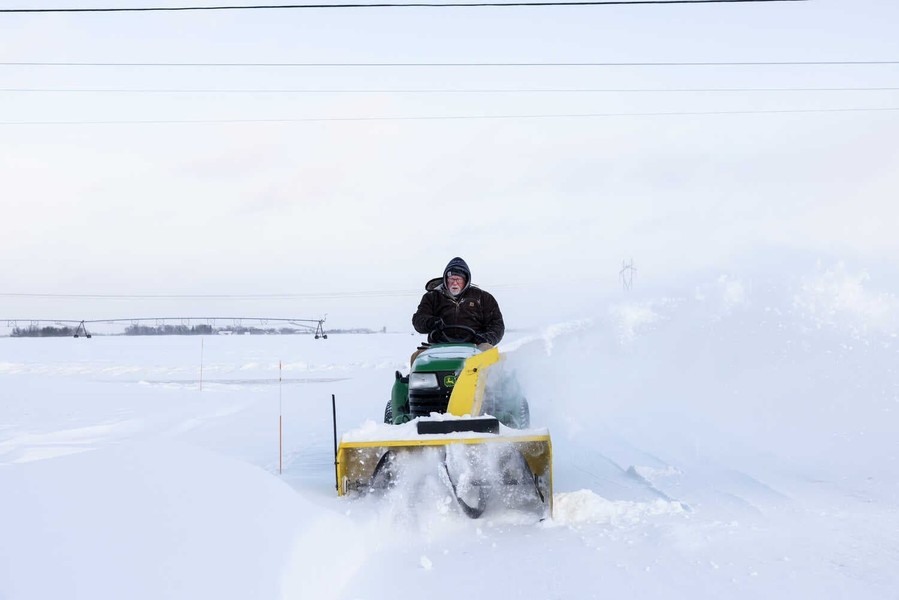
423, 381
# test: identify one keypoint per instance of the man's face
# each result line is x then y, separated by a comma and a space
455, 283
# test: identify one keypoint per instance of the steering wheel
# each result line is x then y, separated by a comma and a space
470, 334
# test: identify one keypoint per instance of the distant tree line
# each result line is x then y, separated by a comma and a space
210, 330
63, 331
46, 331
259, 331
169, 330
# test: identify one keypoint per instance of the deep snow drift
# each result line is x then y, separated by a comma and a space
734, 438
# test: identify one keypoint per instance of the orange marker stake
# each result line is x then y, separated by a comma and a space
280, 420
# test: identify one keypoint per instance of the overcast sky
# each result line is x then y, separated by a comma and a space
351, 208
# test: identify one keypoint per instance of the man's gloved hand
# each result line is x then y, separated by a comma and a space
435, 324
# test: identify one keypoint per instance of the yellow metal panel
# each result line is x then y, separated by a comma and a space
468, 393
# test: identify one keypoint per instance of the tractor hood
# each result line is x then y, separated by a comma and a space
443, 357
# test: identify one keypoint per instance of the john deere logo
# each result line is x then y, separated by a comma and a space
449, 381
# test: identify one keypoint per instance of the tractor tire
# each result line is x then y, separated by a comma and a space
388, 413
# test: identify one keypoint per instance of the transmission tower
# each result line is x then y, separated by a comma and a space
626, 274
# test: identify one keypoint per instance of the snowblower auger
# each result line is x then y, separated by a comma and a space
481, 458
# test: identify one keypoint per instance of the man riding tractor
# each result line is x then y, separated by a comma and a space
452, 312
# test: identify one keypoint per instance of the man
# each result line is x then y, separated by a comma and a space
452, 300
452, 310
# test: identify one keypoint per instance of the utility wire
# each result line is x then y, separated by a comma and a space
285, 296
450, 64
132, 320
457, 118
381, 5
354, 294
439, 91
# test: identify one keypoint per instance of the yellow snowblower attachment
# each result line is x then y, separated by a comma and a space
479, 456
468, 393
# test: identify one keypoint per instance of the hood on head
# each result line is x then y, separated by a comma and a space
459, 266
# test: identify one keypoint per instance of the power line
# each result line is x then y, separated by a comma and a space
380, 5
283, 296
457, 118
441, 91
14, 322
133, 320
312, 295
429, 65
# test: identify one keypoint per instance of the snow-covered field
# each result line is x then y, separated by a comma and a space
732, 439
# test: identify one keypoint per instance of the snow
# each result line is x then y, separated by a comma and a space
150, 520
734, 437
585, 506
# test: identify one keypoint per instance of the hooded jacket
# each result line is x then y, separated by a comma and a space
473, 308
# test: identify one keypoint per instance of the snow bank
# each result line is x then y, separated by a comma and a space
157, 520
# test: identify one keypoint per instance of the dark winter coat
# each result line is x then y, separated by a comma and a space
473, 307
